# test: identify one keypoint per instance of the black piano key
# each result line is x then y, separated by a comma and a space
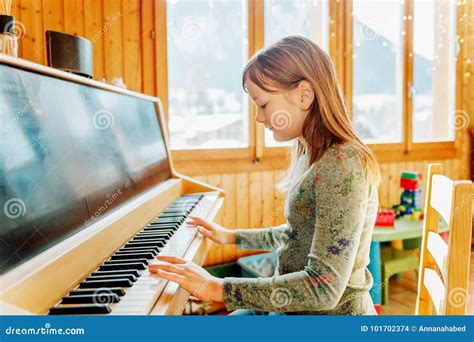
145, 243
169, 220
155, 231
80, 310
93, 284
159, 229
179, 209
143, 250
173, 215
162, 232
126, 261
80, 292
162, 226
156, 236
135, 255
168, 233
138, 250
99, 298
184, 201
182, 211
130, 277
151, 237
136, 266
183, 205
120, 272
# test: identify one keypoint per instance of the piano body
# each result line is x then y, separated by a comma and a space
89, 197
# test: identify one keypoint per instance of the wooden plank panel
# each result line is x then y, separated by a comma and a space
33, 42
384, 186
393, 183
53, 18
16, 12
228, 184
242, 201
255, 198
113, 40
74, 17
160, 67
131, 48
268, 199
53, 15
94, 30
148, 47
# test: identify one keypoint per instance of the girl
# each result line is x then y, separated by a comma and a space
331, 201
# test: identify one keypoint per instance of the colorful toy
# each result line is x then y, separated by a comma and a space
385, 218
410, 206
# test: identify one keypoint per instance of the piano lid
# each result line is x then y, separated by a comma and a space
71, 151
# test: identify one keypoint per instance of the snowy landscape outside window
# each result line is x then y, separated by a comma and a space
207, 50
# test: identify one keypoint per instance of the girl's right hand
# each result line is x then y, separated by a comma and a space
212, 230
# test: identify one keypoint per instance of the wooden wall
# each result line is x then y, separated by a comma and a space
122, 33
125, 45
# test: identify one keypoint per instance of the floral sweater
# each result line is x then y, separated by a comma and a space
323, 250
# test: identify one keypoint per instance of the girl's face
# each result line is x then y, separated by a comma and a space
282, 112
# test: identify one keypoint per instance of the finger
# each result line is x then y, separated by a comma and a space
172, 259
153, 268
205, 232
171, 276
197, 221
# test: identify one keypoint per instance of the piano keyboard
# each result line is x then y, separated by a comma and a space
122, 285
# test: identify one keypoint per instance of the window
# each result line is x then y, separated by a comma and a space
378, 70
434, 74
399, 73
309, 18
207, 50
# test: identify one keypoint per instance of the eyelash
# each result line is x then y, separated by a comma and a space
263, 107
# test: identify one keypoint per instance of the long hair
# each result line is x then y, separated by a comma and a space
282, 66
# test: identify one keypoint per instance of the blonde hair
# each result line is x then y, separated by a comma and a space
282, 66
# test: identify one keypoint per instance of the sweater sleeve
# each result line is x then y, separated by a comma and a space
341, 194
261, 239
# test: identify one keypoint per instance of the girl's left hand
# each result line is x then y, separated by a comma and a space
191, 277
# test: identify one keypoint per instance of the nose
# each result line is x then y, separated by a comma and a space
260, 117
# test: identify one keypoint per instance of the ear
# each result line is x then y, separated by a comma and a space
305, 95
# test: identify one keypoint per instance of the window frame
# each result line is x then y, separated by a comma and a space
257, 156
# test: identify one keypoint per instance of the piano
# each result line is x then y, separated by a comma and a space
90, 197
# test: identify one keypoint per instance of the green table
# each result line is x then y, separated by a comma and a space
404, 229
